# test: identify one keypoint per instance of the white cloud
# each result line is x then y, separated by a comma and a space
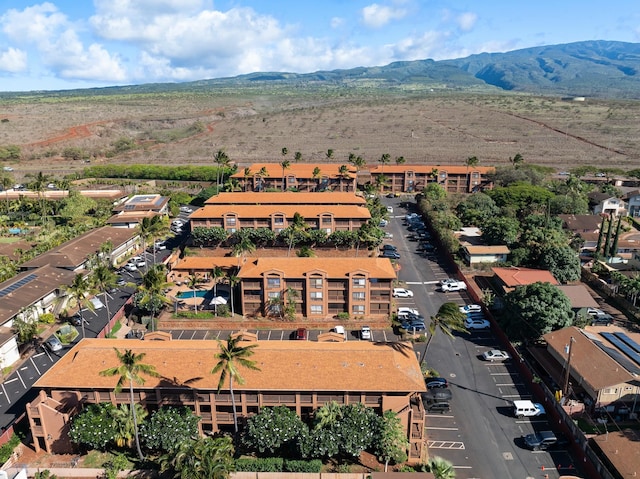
337, 22
376, 16
13, 60
466, 21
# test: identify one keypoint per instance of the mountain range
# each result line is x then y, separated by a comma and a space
603, 69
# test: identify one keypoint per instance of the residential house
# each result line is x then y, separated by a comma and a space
320, 287
413, 178
299, 177
141, 203
476, 254
74, 254
287, 198
509, 278
579, 296
383, 376
329, 218
579, 224
27, 296
598, 370
633, 203
619, 450
604, 203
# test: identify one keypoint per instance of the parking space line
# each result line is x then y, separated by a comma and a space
5, 394
193, 335
438, 415
510, 384
441, 428
181, 333
34, 365
515, 396
445, 445
20, 377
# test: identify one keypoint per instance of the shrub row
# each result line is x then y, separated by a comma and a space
278, 464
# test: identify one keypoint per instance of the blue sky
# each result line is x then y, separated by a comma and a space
62, 44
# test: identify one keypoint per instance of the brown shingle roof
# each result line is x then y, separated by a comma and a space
587, 360
482, 249
513, 276
580, 223
73, 253
622, 448
299, 170
578, 295
199, 263
131, 216
286, 197
47, 279
334, 267
265, 211
284, 366
452, 169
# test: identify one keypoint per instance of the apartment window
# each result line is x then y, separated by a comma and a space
316, 295
231, 220
357, 309
316, 283
273, 283
358, 282
316, 309
326, 220
278, 220
274, 295
358, 296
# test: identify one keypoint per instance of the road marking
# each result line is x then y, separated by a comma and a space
20, 377
445, 445
510, 384
499, 374
442, 428
463, 467
5, 394
539, 421
515, 396
34, 365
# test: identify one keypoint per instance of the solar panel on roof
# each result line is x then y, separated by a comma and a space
618, 357
628, 341
18, 284
621, 346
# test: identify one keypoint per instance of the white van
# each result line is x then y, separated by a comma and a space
340, 330
527, 409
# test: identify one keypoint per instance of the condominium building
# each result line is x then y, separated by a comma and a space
413, 178
298, 176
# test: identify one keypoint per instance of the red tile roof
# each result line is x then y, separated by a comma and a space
334, 267
286, 197
513, 276
426, 169
299, 170
265, 211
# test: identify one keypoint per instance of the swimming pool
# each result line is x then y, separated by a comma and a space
189, 294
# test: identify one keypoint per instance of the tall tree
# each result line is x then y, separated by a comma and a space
104, 279
297, 156
343, 173
384, 159
441, 468
217, 275
150, 228
470, 163
38, 184
400, 160
329, 154
151, 296
193, 283
203, 458
129, 371
285, 164
448, 319
246, 174
316, 176
77, 292
230, 357
391, 444
233, 281
222, 160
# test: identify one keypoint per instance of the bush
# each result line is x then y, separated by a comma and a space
7, 448
47, 318
194, 315
344, 316
314, 465
266, 464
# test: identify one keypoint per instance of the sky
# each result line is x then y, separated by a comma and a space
67, 44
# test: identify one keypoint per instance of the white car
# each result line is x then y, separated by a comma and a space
476, 323
390, 209
496, 355
365, 333
402, 293
130, 267
7, 168
471, 308
186, 209
404, 311
159, 245
455, 286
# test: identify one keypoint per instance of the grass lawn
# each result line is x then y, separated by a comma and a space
115, 329
9, 239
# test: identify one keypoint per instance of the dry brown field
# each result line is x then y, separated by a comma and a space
434, 128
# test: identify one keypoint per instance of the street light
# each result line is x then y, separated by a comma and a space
567, 373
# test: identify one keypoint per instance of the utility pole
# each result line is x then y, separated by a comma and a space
567, 374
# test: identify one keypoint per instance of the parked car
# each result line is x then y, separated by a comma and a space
186, 209
121, 282
471, 308
496, 355
301, 334
141, 264
130, 267
389, 247
437, 394
540, 441
390, 209
53, 344
402, 293
476, 323
413, 326
340, 330
365, 333
383, 223
404, 311
7, 168
456, 286
526, 408
435, 383
390, 254
441, 407
159, 245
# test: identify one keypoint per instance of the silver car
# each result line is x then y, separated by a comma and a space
53, 344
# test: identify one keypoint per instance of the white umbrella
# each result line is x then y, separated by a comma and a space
218, 300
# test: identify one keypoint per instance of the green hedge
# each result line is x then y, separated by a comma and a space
266, 464
315, 465
7, 448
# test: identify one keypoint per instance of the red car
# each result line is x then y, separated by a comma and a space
301, 334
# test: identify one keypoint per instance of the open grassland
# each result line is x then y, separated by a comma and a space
188, 127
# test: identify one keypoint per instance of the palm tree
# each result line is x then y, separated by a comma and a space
316, 176
284, 152
6, 181
104, 279
130, 369
38, 184
327, 415
243, 247
297, 156
203, 458
261, 175
400, 160
77, 292
470, 162
343, 172
193, 283
329, 154
151, 296
222, 160
441, 468
448, 319
150, 228
286, 164
516, 160
229, 358
384, 159
125, 430
217, 274
246, 174
233, 281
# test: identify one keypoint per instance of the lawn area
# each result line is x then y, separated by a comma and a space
9, 239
